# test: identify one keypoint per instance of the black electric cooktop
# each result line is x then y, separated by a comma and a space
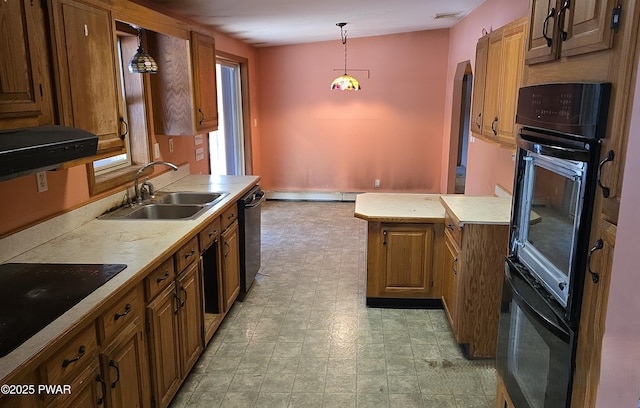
32, 295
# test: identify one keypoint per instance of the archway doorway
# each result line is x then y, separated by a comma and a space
459, 136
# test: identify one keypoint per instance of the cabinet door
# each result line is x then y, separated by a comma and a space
452, 266
19, 93
85, 64
543, 41
511, 65
407, 260
230, 265
491, 109
479, 83
164, 343
587, 24
592, 318
204, 76
87, 390
126, 370
190, 322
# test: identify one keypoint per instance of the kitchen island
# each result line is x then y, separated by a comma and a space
431, 250
125, 323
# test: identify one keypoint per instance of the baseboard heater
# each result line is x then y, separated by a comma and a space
311, 195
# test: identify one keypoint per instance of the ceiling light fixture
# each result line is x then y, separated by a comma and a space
142, 62
345, 82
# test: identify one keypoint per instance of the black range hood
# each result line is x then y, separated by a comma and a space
30, 150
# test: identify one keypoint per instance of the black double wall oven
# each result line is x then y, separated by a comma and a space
558, 149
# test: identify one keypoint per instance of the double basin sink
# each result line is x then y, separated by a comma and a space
178, 205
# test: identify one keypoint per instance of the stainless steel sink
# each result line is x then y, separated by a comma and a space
179, 205
188, 197
165, 212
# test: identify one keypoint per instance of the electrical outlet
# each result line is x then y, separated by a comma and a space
156, 150
376, 183
170, 145
41, 178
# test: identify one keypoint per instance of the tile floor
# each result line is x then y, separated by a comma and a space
304, 337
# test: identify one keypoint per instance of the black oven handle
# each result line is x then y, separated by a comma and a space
549, 319
529, 141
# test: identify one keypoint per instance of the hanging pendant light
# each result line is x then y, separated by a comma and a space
142, 62
345, 82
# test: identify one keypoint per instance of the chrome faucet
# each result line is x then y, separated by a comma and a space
137, 191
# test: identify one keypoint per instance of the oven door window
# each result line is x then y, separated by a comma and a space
549, 218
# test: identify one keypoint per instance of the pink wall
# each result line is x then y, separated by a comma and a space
487, 164
620, 369
316, 139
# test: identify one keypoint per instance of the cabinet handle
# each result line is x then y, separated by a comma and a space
226, 244
114, 365
453, 265
493, 126
126, 128
450, 227
66, 362
103, 385
384, 237
163, 278
202, 116
175, 296
232, 215
190, 254
563, 10
478, 124
213, 232
594, 275
182, 302
545, 25
605, 190
127, 310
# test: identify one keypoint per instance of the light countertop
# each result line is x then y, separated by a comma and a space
141, 244
399, 207
430, 208
478, 210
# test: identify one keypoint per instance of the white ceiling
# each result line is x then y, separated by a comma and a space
278, 22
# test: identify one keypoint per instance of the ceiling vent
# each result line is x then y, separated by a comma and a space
453, 14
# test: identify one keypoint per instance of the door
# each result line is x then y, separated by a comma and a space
227, 144
164, 343
230, 265
407, 256
86, 66
543, 41
450, 293
190, 316
587, 24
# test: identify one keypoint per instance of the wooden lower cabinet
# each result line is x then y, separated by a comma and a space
88, 390
404, 261
175, 331
126, 370
230, 265
502, 397
450, 281
473, 275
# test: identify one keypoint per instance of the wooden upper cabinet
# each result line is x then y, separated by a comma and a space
85, 65
479, 81
25, 83
562, 28
204, 76
495, 122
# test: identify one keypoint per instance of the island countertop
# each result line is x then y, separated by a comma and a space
477, 209
399, 207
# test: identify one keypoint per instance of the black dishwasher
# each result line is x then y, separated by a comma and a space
249, 208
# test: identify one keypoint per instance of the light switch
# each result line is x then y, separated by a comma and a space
41, 178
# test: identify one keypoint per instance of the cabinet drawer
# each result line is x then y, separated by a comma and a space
229, 216
187, 254
209, 234
159, 279
114, 320
452, 228
71, 358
